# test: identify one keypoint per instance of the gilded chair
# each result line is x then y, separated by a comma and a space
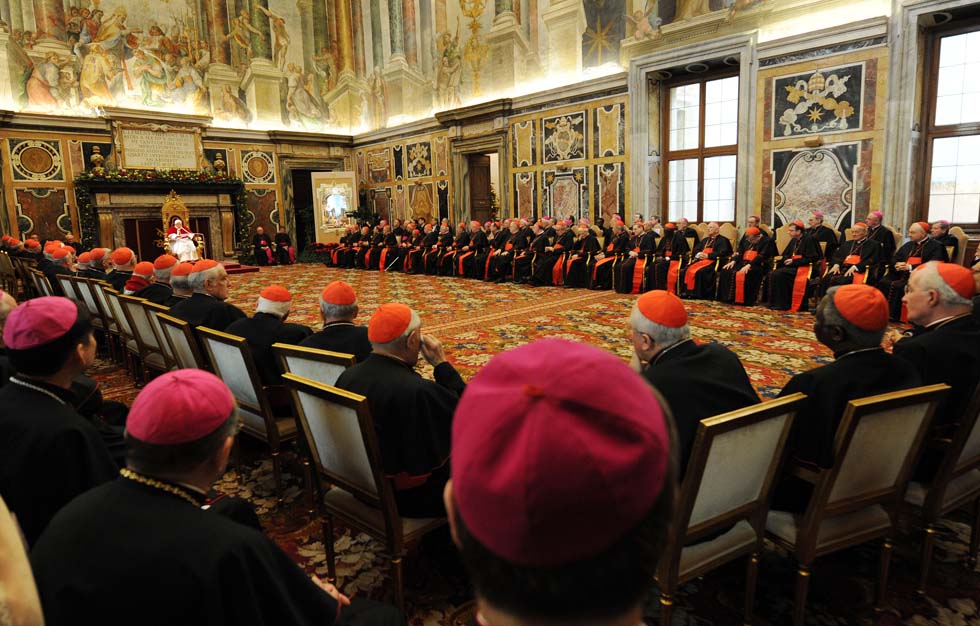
127, 339
113, 339
339, 431
232, 361
725, 495
151, 355
150, 310
68, 286
962, 239
955, 484
183, 344
857, 499
322, 366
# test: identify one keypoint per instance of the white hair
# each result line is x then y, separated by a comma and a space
273, 307
663, 336
413, 325
930, 278
338, 311
196, 280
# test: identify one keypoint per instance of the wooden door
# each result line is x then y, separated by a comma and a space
479, 170
143, 237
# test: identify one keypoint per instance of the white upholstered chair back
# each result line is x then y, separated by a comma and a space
88, 296
970, 454
884, 438
321, 366
738, 463
117, 313
150, 310
98, 288
67, 286
179, 334
143, 332
41, 283
232, 363
334, 431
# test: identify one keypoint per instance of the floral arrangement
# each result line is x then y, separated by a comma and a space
98, 174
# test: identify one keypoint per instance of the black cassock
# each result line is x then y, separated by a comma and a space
702, 283
949, 240
52, 272
547, 266
159, 293
893, 283
415, 257
632, 271
285, 255
823, 234
758, 257
204, 310
261, 331
48, 454
413, 418
789, 286
432, 258
670, 250
604, 270
474, 265
497, 242
93, 273
577, 266
343, 337
502, 265
390, 257
128, 553
947, 352
699, 381
117, 279
262, 249
447, 262
829, 388
887, 240
524, 263
861, 255
374, 252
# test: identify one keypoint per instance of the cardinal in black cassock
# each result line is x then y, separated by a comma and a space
269, 326
699, 278
739, 284
412, 415
208, 307
789, 283
338, 307
261, 247
921, 248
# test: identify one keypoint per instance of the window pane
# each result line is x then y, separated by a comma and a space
719, 188
682, 189
957, 59
954, 181
685, 116
721, 112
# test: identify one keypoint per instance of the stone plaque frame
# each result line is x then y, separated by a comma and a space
129, 161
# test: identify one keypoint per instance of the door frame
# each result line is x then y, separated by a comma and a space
485, 144
286, 166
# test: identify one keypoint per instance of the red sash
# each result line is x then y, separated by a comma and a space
672, 271
568, 264
268, 254
292, 254
799, 286
556, 274
460, 259
858, 278
486, 269
750, 255
601, 262
333, 255
852, 259
914, 260
639, 270
692, 270
508, 246
381, 262
905, 313
740, 287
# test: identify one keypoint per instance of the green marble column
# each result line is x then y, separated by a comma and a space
262, 40
377, 45
503, 6
396, 27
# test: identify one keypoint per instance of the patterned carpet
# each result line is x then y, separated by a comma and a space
476, 320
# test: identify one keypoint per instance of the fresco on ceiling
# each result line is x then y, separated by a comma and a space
347, 65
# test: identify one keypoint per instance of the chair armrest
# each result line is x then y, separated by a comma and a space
804, 471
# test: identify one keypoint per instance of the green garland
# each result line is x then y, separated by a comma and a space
89, 221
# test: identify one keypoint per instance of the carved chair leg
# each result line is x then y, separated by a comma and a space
397, 582
666, 608
971, 558
882, 590
799, 596
327, 526
925, 558
751, 577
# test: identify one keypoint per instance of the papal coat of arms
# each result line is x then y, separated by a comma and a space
824, 101
419, 161
563, 138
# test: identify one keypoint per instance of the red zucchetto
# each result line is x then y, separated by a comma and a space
122, 256
752, 231
164, 261
179, 407
545, 474
204, 265
389, 322
339, 293
958, 277
663, 308
862, 305
39, 321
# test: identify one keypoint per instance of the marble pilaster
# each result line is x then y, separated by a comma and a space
565, 21
15, 16
320, 39
408, 22
509, 50
377, 45
49, 19
345, 40
395, 27
262, 85
219, 76
217, 21
261, 41
305, 7
427, 49
357, 33
406, 88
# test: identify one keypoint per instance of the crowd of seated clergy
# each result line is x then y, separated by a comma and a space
109, 509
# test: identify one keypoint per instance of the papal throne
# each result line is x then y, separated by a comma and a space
178, 238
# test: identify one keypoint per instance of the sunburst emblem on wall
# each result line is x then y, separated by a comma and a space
35, 160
